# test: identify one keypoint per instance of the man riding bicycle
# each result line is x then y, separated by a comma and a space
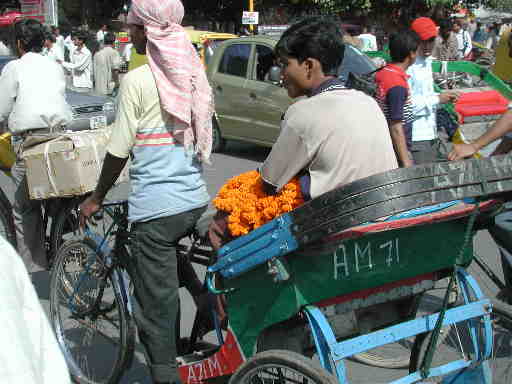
33, 100
164, 122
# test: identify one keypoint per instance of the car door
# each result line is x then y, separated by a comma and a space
267, 101
228, 82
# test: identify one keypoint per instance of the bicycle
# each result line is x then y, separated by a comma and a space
89, 286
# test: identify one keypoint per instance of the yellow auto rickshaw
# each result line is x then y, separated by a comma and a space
503, 66
204, 41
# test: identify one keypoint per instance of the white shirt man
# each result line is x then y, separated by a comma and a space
463, 41
30, 353
59, 42
80, 67
33, 94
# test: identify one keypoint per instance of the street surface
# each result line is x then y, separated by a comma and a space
236, 159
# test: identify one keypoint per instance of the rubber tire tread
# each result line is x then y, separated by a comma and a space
126, 352
504, 311
219, 144
7, 219
288, 359
56, 230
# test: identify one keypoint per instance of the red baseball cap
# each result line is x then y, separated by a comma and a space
425, 28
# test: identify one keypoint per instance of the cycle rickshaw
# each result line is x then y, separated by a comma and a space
370, 251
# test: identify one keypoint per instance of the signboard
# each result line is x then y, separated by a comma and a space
272, 30
250, 17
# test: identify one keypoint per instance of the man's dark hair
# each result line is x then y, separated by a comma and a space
109, 38
458, 22
313, 38
402, 43
50, 36
81, 35
31, 34
445, 25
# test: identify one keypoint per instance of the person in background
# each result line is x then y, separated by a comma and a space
100, 35
106, 67
80, 65
164, 123
69, 45
480, 35
426, 146
51, 50
465, 46
59, 40
394, 94
4, 50
33, 100
491, 41
445, 45
127, 54
471, 27
369, 40
30, 353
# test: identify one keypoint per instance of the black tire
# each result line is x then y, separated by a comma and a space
272, 364
218, 143
76, 281
7, 220
65, 227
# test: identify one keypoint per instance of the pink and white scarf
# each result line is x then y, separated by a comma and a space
180, 77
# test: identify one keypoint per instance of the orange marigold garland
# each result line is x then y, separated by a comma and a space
249, 207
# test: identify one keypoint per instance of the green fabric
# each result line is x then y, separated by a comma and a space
258, 302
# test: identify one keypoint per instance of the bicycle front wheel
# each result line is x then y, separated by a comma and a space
89, 315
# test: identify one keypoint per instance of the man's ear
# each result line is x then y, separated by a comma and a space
314, 66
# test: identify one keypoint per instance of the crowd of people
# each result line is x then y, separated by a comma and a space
87, 72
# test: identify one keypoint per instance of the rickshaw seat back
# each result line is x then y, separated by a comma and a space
275, 238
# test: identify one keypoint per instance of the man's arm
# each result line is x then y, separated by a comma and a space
9, 87
499, 129
396, 129
396, 101
82, 63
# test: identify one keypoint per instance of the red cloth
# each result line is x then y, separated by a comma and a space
424, 27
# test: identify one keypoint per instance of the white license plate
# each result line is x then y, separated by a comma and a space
98, 122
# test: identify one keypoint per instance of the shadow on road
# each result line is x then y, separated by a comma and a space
246, 151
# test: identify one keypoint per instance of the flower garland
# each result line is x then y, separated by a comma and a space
249, 207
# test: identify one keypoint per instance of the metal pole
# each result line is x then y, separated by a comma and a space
251, 9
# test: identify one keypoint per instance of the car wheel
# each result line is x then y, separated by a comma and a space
218, 143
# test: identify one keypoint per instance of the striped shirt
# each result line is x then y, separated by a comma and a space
394, 98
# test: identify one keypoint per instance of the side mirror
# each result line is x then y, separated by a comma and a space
274, 75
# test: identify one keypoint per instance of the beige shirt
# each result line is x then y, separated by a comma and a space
338, 136
105, 61
138, 109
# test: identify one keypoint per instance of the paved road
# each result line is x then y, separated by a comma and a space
239, 158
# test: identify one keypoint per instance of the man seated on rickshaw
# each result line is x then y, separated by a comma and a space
334, 135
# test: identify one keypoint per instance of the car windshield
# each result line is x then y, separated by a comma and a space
356, 62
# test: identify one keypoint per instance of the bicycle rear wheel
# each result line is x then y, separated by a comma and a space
280, 367
89, 315
464, 340
6, 220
